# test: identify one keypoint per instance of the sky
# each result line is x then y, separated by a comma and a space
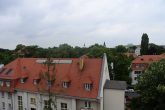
48, 23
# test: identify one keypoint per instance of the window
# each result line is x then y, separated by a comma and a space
33, 101
22, 80
49, 82
137, 72
35, 81
87, 86
9, 95
9, 105
65, 84
3, 94
20, 104
63, 106
3, 105
135, 78
46, 103
87, 104
8, 83
1, 83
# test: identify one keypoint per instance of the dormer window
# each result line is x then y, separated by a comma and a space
22, 80
65, 84
8, 83
1, 83
88, 86
35, 81
49, 82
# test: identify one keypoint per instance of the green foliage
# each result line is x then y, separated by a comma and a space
120, 49
121, 62
144, 44
151, 85
6, 56
135, 104
121, 67
155, 49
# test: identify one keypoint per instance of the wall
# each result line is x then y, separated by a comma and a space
133, 75
6, 100
71, 103
81, 104
103, 78
114, 99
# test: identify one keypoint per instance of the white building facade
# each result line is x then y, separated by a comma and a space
19, 95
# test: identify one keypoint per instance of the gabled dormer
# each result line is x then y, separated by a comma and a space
87, 83
66, 82
24, 77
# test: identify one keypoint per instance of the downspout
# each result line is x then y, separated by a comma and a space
12, 102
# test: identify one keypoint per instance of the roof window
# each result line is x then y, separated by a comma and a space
1, 83
22, 80
65, 84
50, 82
36, 81
8, 83
87, 86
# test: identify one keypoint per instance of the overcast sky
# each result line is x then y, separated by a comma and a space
48, 23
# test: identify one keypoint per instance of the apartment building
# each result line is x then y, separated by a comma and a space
74, 84
141, 63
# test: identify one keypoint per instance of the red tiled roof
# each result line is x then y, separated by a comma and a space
148, 58
28, 67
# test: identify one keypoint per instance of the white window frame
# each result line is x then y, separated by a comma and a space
20, 103
35, 81
3, 105
33, 101
2, 94
1, 83
87, 104
88, 86
9, 95
22, 80
64, 106
46, 103
65, 84
8, 83
9, 105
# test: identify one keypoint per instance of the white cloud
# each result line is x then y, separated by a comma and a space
51, 22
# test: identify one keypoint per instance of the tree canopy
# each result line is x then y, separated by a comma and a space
151, 86
144, 44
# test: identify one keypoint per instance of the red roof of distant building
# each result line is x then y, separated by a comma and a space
29, 68
148, 58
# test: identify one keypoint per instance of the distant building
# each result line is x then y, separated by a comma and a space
141, 63
137, 50
78, 84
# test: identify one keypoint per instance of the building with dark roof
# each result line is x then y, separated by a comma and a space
114, 95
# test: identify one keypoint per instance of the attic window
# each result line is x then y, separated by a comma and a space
22, 80
1, 83
36, 81
65, 84
49, 82
142, 59
8, 83
87, 86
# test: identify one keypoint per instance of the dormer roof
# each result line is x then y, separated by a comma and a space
66, 69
